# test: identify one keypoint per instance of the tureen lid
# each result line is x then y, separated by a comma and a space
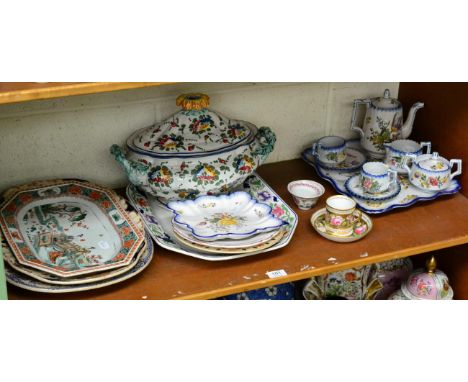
428, 284
385, 102
193, 130
433, 163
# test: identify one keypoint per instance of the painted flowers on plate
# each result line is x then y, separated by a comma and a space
232, 216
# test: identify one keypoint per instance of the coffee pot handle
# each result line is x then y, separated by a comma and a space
358, 102
427, 145
457, 162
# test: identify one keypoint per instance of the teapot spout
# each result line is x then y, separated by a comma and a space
408, 125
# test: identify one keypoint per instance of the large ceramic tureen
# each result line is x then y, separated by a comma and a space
196, 151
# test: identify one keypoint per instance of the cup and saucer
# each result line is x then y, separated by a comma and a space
376, 183
331, 153
340, 221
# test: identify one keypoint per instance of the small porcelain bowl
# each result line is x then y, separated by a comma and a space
305, 193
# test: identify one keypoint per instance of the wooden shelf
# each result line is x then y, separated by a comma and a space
424, 227
11, 92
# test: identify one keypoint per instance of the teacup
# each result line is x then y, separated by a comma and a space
305, 193
396, 151
330, 150
340, 216
377, 177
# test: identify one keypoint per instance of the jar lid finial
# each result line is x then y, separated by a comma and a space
431, 264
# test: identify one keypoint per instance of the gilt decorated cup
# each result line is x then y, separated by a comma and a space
340, 215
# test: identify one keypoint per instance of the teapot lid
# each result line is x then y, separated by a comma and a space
433, 163
194, 130
428, 284
385, 102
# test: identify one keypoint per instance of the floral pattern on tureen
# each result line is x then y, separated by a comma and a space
194, 152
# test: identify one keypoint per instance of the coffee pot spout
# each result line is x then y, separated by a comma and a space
408, 125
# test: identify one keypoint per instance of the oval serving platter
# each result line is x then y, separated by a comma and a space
69, 228
23, 281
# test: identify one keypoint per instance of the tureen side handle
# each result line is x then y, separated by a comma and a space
264, 144
137, 172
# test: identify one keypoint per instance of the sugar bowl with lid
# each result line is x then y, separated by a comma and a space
196, 151
431, 172
425, 284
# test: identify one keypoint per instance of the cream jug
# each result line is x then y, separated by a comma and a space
383, 123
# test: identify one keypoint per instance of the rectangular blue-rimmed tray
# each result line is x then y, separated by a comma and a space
408, 195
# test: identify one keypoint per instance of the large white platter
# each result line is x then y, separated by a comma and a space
158, 219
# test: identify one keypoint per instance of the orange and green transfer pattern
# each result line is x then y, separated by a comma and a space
3, 290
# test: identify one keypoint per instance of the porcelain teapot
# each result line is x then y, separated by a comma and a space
383, 123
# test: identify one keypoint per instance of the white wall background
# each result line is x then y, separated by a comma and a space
70, 137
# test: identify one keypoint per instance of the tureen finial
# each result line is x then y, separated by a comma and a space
431, 264
193, 101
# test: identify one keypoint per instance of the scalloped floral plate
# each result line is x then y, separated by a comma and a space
233, 216
248, 242
158, 219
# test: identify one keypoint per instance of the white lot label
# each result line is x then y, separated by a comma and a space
278, 273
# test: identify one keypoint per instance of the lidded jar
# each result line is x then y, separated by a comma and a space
431, 172
428, 284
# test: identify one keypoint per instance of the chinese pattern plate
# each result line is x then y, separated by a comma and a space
23, 281
69, 228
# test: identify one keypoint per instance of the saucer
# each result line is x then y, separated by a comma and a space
354, 189
317, 221
353, 162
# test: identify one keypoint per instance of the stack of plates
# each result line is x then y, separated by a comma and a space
66, 236
233, 224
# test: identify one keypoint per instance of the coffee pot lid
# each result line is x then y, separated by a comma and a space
428, 284
194, 130
386, 101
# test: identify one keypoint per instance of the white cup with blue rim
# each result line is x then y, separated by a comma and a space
377, 177
330, 150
